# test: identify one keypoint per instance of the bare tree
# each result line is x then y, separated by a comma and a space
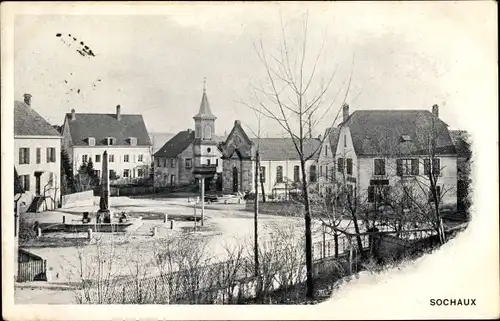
295, 96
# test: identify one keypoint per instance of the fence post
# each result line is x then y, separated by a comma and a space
89, 234
172, 225
38, 232
64, 219
165, 218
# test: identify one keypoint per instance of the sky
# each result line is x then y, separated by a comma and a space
152, 60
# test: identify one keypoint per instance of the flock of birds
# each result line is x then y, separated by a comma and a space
84, 50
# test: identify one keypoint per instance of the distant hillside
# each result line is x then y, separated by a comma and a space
159, 139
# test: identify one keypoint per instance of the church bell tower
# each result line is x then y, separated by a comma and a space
205, 144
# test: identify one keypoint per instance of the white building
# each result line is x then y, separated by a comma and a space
124, 136
37, 147
382, 150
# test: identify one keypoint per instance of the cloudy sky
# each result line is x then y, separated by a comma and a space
152, 60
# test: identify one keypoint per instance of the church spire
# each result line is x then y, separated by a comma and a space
204, 112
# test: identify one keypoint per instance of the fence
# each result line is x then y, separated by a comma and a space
31, 267
77, 199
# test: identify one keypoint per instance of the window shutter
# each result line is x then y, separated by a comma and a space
414, 166
27, 155
21, 156
436, 166
399, 167
371, 194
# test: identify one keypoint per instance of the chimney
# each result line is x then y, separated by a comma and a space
190, 130
118, 112
73, 116
435, 110
320, 137
345, 112
237, 122
27, 99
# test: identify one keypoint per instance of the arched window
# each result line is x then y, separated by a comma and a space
197, 132
208, 132
279, 174
312, 174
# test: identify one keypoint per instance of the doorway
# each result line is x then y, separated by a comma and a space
235, 180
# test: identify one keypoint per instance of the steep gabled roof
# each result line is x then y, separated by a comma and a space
204, 111
100, 126
176, 144
275, 149
380, 132
333, 137
27, 122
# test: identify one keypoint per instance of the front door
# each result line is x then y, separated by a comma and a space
235, 180
37, 185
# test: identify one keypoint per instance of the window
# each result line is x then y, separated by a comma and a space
158, 164
279, 174
91, 141
25, 182
140, 172
379, 165
208, 162
140, 158
436, 166
112, 174
349, 166
165, 162
126, 173
188, 163
111, 158
110, 141
209, 150
97, 173
407, 167
24, 155
133, 141
340, 165
296, 175
216, 162
320, 170
198, 131
85, 158
326, 172
345, 140
312, 174
126, 158
38, 155
97, 158
51, 155
263, 174
326, 150
172, 163
208, 132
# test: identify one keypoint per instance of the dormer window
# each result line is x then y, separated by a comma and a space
133, 141
91, 141
110, 141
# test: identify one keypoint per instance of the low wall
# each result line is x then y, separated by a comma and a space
78, 199
293, 209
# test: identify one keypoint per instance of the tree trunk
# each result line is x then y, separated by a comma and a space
307, 220
256, 212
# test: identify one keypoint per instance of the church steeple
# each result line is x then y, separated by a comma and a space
204, 112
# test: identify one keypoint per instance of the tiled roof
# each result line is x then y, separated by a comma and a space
100, 126
176, 144
380, 132
27, 122
273, 149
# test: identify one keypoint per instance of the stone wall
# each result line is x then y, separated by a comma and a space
245, 175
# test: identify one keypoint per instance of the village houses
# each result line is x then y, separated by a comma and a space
377, 149
37, 148
124, 136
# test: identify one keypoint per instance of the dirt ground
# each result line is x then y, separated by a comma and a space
224, 227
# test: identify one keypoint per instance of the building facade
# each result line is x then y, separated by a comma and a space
177, 160
279, 172
37, 147
383, 151
124, 136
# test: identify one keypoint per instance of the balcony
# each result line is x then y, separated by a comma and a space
205, 170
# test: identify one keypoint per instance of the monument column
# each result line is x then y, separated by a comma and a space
104, 200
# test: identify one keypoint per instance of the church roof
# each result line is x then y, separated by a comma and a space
205, 111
